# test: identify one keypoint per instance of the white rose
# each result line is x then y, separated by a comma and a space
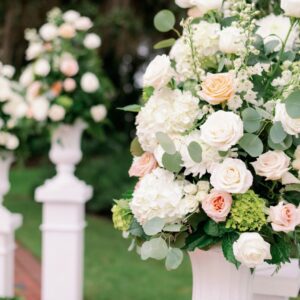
290, 125
205, 5
251, 249
48, 32
27, 76
159, 72
98, 112
56, 113
42, 67
272, 165
39, 109
12, 142
71, 16
222, 130
184, 3
231, 40
291, 7
34, 50
92, 41
231, 176
83, 23
89, 82
8, 71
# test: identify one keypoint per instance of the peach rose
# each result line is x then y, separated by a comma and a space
66, 31
217, 205
217, 88
195, 12
69, 84
68, 66
143, 165
284, 217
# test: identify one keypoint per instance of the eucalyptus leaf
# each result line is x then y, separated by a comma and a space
154, 226
136, 148
164, 20
166, 143
292, 104
252, 144
277, 133
174, 259
172, 228
172, 162
164, 44
195, 152
131, 108
271, 45
156, 248
251, 119
285, 144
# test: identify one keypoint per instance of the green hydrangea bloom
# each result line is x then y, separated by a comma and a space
122, 217
247, 212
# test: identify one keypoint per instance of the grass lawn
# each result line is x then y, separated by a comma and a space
110, 271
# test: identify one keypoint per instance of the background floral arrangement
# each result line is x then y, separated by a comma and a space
64, 80
10, 118
217, 149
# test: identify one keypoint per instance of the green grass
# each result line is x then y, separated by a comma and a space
111, 272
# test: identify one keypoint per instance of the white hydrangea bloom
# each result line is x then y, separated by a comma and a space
159, 194
210, 156
169, 111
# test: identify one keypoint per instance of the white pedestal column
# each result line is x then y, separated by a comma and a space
9, 222
216, 279
63, 198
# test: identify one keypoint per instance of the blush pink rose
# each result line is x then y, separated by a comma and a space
143, 165
66, 31
69, 66
69, 84
34, 90
217, 205
284, 217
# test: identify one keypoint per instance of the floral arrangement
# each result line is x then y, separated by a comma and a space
10, 117
217, 151
64, 80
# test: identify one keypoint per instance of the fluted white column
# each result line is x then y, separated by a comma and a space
9, 222
63, 198
216, 279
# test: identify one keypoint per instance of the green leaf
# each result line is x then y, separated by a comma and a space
285, 144
271, 45
135, 147
215, 229
225, 22
131, 108
154, 226
251, 119
227, 247
172, 162
180, 240
164, 20
165, 44
166, 143
252, 144
277, 133
280, 250
172, 228
292, 104
289, 55
221, 64
202, 242
156, 248
174, 259
292, 187
195, 152
136, 229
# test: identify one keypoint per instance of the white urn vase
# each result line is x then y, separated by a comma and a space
214, 278
9, 222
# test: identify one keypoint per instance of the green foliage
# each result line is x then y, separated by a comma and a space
166, 143
277, 133
227, 247
215, 229
195, 152
156, 248
292, 104
252, 144
280, 250
251, 119
135, 147
172, 162
121, 215
247, 212
131, 108
164, 20
284, 145
165, 44
154, 226
174, 259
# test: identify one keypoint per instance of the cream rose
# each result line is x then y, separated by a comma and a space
231, 176
291, 7
290, 125
217, 205
143, 165
284, 217
217, 88
159, 72
89, 82
48, 32
42, 67
231, 40
205, 5
92, 41
272, 165
56, 113
98, 112
184, 3
83, 23
222, 130
71, 16
251, 250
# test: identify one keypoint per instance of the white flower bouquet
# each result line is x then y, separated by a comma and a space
64, 80
217, 151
